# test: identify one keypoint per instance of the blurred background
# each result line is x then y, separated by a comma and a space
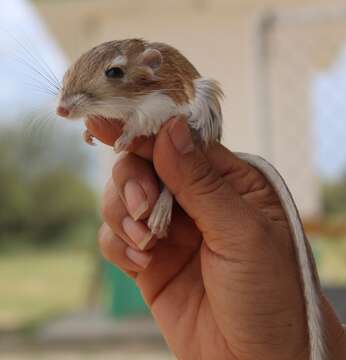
282, 65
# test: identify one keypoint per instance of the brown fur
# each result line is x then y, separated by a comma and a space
174, 77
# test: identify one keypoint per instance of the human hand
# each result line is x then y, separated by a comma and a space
225, 283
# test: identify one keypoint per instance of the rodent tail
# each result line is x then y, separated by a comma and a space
306, 263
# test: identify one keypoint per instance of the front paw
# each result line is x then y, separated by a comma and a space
88, 137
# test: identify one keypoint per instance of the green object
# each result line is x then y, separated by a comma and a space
122, 297
316, 252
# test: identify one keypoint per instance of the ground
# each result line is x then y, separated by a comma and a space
36, 285
114, 354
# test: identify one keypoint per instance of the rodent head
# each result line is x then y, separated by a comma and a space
105, 80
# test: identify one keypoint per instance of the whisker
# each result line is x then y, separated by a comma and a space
36, 83
35, 70
35, 116
35, 63
80, 101
38, 125
37, 60
41, 61
40, 89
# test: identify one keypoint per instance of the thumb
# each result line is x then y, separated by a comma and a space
198, 187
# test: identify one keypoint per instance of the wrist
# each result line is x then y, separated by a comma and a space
340, 347
335, 333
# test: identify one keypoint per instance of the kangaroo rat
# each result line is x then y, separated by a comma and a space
144, 84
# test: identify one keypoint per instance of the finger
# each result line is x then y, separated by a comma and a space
116, 251
247, 181
116, 216
232, 169
137, 184
199, 187
108, 131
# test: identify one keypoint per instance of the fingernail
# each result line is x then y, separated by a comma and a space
136, 200
181, 137
137, 232
139, 258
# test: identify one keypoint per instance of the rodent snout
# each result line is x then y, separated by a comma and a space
62, 111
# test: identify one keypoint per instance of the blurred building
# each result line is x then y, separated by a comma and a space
244, 45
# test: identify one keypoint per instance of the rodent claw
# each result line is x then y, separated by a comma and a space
88, 138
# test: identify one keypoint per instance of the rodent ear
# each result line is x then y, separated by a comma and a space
151, 58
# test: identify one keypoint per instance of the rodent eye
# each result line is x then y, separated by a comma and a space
115, 72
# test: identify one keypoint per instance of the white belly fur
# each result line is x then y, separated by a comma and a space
203, 113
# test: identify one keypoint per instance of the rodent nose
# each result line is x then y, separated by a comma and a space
62, 111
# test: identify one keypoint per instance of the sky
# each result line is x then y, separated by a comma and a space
329, 118
21, 30
19, 83
27, 49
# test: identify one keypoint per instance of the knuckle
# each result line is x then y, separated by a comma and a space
132, 167
107, 212
109, 202
203, 178
259, 228
104, 252
103, 239
109, 244
121, 164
